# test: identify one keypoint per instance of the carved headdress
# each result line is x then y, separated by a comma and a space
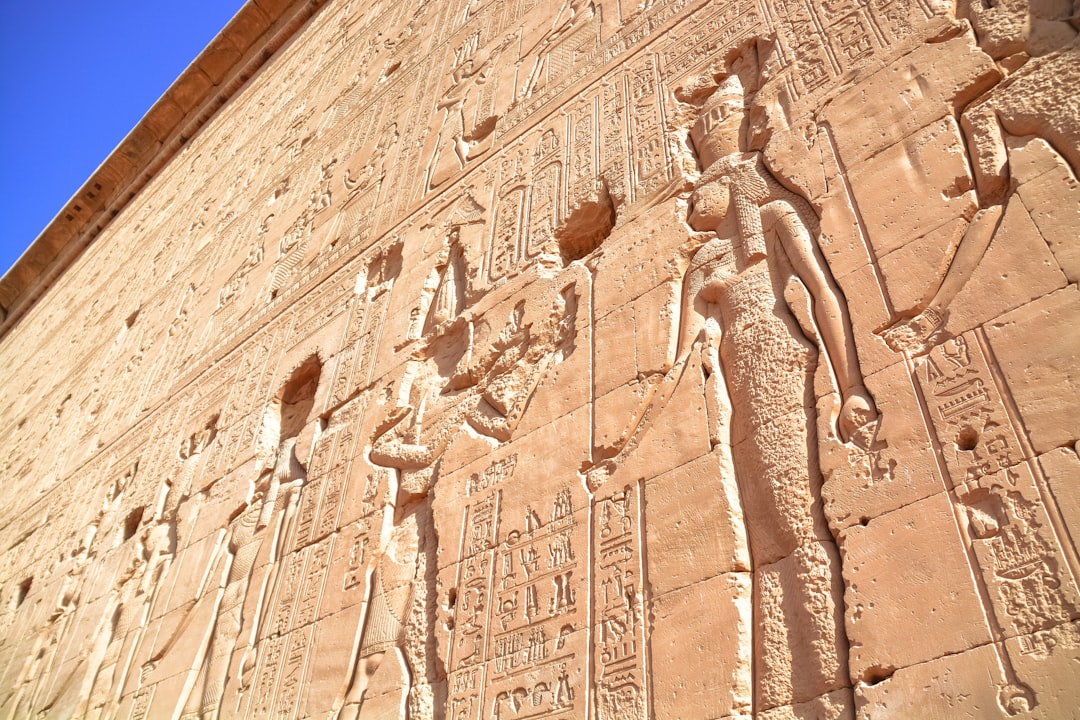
718, 130
719, 136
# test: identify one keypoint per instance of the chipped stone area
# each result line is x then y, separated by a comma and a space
599, 359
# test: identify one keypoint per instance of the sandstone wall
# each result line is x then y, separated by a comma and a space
586, 359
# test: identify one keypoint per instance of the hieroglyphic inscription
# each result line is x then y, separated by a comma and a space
467, 667
256, 379
379, 300
307, 604
318, 470
140, 705
506, 234
356, 361
618, 617
967, 412
1021, 562
292, 674
540, 591
650, 166
271, 653
697, 41
1020, 559
373, 482
492, 475
354, 331
334, 483
583, 169
613, 135
356, 570
289, 587
545, 194
319, 309
821, 40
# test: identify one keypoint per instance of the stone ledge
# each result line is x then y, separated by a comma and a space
221, 69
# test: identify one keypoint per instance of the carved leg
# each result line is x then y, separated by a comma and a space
354, 698
800, 648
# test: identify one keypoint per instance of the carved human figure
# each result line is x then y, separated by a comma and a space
48, 636
245, 540
737, 315
121, 611
413, 438
508, 371
151, 550
442, 297
279, 478
443, 392
70, 696
460, 128
244, 537
1025, 103
447, 301
539, 41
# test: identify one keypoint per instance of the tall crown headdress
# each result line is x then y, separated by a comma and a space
716, 132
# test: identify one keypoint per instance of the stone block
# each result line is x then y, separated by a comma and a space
898, 467
1016, 251
681, 633
1036, 346
907, 269
694, 524
914, 186
1061, 467
913, 91
1049, 190
430, 267
910, 596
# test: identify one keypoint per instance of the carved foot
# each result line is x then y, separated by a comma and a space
914, 335
148, 667
1016, 698
858, 412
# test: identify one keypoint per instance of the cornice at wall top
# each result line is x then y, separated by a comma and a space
246, 43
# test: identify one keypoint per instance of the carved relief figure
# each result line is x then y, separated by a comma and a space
444, 386
263, 516
413, 438
71, 696
291, 251
55, 623
509, 370
246, 534
738, 315
461, 128
539, 43
1025, 102
442, 297
137, 590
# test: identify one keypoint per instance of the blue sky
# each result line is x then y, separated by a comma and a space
75, 77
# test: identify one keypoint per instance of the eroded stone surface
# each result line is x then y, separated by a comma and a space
587, 359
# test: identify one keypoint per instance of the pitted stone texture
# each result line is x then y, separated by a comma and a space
592, 359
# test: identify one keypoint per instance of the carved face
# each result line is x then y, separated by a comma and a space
709, 205
712, 269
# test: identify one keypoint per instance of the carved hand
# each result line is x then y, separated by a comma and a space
913, 335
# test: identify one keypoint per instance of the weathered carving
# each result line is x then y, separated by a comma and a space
634, 317
1003, 29
754, 345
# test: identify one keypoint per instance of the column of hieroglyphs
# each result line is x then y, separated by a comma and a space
606, 359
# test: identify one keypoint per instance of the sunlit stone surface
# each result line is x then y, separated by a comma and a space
577, 359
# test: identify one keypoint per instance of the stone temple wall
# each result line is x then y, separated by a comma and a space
573, 359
